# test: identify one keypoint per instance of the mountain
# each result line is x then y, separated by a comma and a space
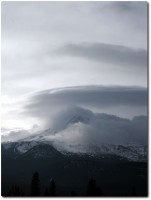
78, 130
132, 153
72, 170
80, 145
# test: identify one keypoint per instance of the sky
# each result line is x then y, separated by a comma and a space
56, 54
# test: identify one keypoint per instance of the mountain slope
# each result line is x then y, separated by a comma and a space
80, 131
41, 149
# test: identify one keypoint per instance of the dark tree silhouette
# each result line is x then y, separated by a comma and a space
73, 193
133, 191
98, 191
46, 193
92, 189
52, 188
16, 191
35, 185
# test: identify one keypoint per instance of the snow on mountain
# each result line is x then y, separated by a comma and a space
20, 147
78, 130
135, 153
80, 126
132, 153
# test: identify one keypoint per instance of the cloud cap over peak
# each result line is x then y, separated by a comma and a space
121, 101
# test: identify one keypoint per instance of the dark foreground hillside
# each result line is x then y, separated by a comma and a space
72, 174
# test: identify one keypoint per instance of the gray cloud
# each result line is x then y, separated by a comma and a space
128, 6
93, 129
108, 53
112, 33
132, 13
121, 101
101, 129
29, 29
15, 135
124, 6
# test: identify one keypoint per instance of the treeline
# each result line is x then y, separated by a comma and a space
51, 190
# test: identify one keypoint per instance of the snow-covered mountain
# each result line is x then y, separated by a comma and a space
81, 131
131, 153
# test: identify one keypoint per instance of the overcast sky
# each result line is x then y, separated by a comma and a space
48, 45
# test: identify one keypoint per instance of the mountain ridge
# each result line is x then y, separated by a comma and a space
80, 131
132, 153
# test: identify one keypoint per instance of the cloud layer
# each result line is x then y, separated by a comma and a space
108, 53
101, 129
121, 101
75, 127
48, 45
110, 36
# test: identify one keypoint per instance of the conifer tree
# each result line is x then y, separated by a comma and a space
52, 188
35, 185
92, 189
15, 191
133, 191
